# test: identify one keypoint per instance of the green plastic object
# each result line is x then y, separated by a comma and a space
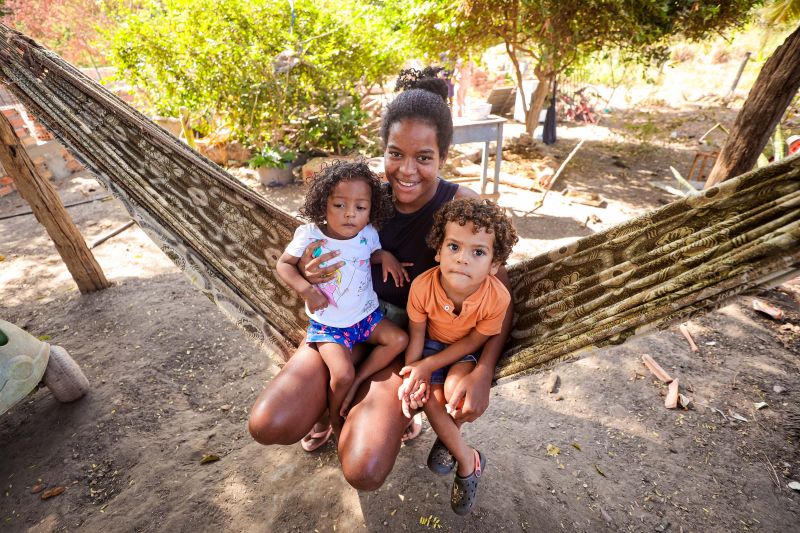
23, 360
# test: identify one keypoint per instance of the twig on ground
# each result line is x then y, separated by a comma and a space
688, 336
111, 233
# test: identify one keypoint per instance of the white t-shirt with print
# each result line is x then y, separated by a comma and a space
350, 294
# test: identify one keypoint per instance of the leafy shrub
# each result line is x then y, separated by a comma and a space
338, 126
254, 67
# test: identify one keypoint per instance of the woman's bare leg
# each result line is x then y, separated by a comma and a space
293, 401
370, 439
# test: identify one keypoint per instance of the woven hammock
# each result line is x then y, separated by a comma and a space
688, 257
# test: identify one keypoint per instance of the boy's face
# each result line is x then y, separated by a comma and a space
466, 258
348, 209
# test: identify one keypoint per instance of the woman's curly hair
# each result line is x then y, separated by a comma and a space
424, 98
484, 215
315, 205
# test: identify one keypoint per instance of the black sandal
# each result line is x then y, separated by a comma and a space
465, 489
440, 460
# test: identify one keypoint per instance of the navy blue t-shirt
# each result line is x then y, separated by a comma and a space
404, 236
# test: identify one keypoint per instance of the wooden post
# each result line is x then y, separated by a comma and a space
49, 211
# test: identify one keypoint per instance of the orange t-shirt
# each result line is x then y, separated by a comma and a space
482, 310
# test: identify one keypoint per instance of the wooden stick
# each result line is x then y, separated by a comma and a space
49, 211
688, 336
656, 369
540, 202
111, 233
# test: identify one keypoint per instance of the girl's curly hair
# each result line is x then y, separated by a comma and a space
424, 98
315, 205
484, 215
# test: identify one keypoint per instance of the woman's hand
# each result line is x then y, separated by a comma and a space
391, 266
310, 267
314, 299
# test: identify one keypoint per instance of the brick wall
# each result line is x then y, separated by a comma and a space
49, 157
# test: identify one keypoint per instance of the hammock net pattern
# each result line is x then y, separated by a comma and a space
685, 258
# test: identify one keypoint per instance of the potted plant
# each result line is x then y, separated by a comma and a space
273, 166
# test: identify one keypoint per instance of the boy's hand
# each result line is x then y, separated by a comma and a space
469, 398
314, 298
411, 400
417, 374
391, 265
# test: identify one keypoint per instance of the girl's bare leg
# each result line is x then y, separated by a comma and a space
340, 366
389, 340
293, 401
370, 439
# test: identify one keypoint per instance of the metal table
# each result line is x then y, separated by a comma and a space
485, 131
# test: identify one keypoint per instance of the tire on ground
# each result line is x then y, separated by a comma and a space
64, 377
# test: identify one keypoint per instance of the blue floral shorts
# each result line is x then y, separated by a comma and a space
347, 337
433, 347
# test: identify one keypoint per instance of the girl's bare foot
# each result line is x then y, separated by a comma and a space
319, 435
414, 428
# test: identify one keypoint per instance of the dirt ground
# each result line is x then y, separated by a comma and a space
172, 381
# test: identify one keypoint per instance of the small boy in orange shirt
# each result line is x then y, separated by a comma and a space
453, 309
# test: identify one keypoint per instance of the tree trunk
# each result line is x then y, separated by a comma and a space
512, 54
776, 85
537, 100
49, 211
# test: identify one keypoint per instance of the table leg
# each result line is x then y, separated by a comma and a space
485, 165
498, 157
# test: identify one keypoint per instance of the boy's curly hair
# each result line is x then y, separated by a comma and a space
484, 215
321, 186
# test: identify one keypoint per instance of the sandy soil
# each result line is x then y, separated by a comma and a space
172, 382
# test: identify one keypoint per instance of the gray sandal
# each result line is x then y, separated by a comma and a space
440, 460
465, 489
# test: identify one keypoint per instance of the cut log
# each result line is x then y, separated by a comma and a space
48, 209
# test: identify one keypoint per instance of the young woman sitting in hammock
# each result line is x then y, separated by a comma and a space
417, 130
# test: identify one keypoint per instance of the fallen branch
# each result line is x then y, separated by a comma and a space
540, 202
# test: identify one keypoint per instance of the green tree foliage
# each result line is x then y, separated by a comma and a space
255, 67
558, 33
781, 11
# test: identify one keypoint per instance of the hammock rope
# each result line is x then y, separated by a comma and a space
666, 266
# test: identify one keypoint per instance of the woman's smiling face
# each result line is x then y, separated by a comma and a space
412, 163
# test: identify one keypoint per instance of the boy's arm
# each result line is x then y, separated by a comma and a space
288, 272
416, 340
465, 346
411, 385
473, 389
